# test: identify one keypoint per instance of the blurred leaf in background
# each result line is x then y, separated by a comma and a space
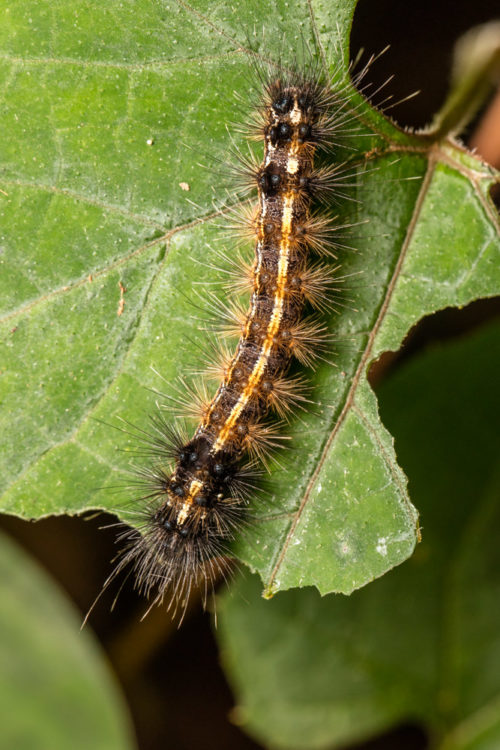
56, 691
423, 643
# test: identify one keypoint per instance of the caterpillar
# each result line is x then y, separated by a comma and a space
195, 493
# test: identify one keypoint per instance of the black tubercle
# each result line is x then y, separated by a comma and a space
193, 454
305, 102
270, 180
166, 522
304, 132
169, 525
280, 134
176, 489
283, 103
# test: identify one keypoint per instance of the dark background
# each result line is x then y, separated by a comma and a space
166, 672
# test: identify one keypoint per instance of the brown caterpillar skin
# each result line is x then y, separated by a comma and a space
200, 504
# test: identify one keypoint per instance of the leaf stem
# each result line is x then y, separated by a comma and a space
476, 69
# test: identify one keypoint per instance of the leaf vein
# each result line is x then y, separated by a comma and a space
364, 360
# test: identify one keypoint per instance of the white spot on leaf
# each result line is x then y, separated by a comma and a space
382, 546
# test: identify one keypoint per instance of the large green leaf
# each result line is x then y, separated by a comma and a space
55, 689
107, 111
423, 643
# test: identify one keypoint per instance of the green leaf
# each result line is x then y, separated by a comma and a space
55, 689
423, 643
108, 110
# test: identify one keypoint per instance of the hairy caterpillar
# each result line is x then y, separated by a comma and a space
196, 491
